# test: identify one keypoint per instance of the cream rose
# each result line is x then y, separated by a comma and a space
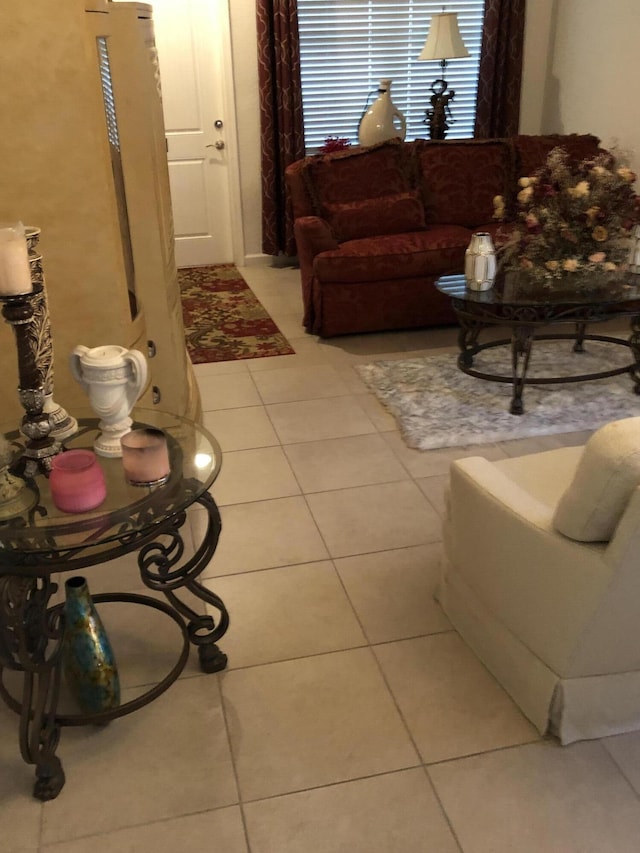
610, 266
599, 233
597, 257
570, 265
551, 265
580, 190
591, 214
525, 194
626, 174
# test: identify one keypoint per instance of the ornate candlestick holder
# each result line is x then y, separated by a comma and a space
62, 424
15, 497
41, 446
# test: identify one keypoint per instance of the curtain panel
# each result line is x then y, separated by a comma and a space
281, 121
500, 73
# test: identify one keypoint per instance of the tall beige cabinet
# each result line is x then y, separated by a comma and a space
83, 157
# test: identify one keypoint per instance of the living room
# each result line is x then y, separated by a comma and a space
351, 716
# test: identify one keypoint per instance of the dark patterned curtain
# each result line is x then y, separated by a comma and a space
498, 110
281, 125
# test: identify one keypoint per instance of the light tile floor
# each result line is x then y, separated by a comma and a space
351, 718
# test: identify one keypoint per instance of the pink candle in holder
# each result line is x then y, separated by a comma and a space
145, 457
77, 481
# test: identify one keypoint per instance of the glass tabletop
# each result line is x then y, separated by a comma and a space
195, 460
520, 289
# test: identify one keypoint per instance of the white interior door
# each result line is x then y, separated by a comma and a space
192, 52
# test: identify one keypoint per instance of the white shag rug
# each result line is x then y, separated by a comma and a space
436, 405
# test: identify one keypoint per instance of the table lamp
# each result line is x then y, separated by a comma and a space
443, 42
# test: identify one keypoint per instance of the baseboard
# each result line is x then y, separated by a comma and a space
257, 260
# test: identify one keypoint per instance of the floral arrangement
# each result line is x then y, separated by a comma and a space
571, 219
334, 143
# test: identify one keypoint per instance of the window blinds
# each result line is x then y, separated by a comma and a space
348, 46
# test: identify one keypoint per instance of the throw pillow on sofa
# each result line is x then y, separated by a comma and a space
388, 214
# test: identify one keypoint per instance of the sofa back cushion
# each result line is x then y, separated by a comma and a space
607, 474
460, 178
364, 192
532, 151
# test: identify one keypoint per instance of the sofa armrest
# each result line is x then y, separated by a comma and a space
313, 235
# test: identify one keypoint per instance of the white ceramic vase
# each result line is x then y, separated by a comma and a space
378, 122
113, 377
634, 250
480, 262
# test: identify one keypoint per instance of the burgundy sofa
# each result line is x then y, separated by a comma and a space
376, 226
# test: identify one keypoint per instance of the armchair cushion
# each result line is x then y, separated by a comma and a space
606, 476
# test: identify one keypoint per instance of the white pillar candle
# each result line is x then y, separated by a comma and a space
15, 271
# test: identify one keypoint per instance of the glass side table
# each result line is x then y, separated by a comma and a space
43, 541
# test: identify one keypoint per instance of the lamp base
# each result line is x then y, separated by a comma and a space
439, 117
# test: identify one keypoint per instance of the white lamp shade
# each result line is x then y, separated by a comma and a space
444, 40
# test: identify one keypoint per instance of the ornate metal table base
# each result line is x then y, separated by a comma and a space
522, 339
31, 632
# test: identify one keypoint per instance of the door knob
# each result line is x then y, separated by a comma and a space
218, 123
219, 145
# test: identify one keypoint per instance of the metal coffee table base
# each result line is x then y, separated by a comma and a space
521, 343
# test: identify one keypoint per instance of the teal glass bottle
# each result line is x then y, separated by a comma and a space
87, 657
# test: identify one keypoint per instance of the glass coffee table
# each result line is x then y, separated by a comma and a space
527, 311
41, 541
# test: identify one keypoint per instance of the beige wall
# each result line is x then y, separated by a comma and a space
537, 40
580, 66
593, 72
245, 76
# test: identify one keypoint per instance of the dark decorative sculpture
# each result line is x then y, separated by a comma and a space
439, 117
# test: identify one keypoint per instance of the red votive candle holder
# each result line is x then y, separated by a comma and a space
145, 457
77, 481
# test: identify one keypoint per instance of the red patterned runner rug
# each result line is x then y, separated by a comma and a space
223, 319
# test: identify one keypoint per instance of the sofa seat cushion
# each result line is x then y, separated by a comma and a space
532, 151
460, 178
436, 251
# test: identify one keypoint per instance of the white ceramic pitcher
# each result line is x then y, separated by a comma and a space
113, 377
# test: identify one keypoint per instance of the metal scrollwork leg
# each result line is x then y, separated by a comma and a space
26, 631
581, 330
158, 563
521, 341
634, 344
468, 341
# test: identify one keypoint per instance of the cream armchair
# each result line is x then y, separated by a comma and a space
541, 578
